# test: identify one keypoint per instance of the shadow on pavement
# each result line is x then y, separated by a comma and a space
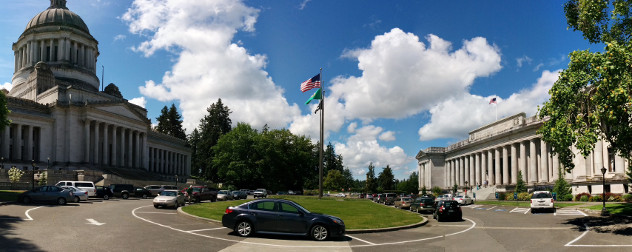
619, 225
9, 241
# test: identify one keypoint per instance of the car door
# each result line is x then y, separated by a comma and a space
265, 216
290, 219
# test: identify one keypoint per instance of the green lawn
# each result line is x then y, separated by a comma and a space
9, 195
356, 213
618, 208
522, 203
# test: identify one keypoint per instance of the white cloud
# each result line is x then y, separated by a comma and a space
119, 37
303, 4
388, 136
7, 86
362, 148
208, 65
520, 61
140, 101
454, 118
401, 76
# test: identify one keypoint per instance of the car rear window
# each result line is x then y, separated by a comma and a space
264, 205
450, 203
81, 184
541, 196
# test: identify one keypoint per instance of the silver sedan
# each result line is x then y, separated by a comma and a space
169, 198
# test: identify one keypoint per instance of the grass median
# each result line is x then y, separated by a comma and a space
615, 208
356, 213
10, 195
525, 204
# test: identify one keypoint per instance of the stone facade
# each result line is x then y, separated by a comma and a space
494, 154
59, 118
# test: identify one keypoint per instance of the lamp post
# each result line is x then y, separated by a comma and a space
33, 177
604, 211
176, 180
48, 163
466, 188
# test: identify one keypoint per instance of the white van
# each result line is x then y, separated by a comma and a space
83, 185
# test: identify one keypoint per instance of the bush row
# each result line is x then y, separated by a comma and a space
610, 197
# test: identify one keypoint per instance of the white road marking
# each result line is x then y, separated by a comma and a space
94, 222
356, 238
490, 208
295, 246
28, 217
206, 229
569, 212
520, 210
570, 244
155, 213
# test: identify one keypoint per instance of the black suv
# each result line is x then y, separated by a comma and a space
447, 209
389, 198
126, 190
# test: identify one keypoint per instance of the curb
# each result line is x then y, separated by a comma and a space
2, 203
424, 221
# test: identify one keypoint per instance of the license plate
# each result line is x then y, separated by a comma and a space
450, 211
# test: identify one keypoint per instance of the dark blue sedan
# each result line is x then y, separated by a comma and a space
277, 216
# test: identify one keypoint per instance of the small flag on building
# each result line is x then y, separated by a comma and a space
318, 95
493, 100
314, 82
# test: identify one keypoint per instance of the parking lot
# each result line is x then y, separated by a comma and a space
134, 224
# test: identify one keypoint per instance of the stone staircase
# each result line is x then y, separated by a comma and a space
484, 193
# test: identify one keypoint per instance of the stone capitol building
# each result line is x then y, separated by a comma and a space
61, 121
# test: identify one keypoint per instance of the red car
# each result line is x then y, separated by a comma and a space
200, 193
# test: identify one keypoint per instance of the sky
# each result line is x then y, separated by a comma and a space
399, 76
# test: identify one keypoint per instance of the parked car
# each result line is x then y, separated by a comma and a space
83, 185
77, 193
103, 192
464, 200
54, 194
288, 218
422, 204
156, 189
389, 198
224, 195
141, 192
239, 195
439, 198
542, 200
369, 196
169, 198
340, 195
403, 202
281, 193
261, 193
126, 190
200, 193
447, 209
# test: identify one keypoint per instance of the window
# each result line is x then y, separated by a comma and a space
265, 206
287, 208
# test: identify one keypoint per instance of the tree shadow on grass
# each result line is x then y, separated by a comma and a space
619, 225
8, 240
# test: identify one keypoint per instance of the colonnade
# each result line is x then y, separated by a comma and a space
108, 144
167, 162
55, 50
20, 143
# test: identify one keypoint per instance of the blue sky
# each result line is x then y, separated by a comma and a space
400, 76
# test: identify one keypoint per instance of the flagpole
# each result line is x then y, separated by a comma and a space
322, 126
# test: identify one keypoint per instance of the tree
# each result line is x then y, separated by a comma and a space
175, 123
520, 185
233, 158
163, 121
334, 180
455, 188
194, 142
15, 175
562, 188
436, 190
592, 99
215, 124
113, 90
371, 182
386, 180
42, 179
4, 112
348, 179
424, 191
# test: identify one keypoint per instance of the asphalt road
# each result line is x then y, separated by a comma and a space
135, 225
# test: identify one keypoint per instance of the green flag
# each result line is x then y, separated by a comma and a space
317, 95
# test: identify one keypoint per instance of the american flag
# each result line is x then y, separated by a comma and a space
493, 100
314, 82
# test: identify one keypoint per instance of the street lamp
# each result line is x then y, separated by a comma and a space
466, 188
33, 177
176, 180
48, 163
604, 211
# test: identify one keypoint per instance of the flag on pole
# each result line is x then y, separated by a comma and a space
320, 106
314, 82
318, 95
493, 100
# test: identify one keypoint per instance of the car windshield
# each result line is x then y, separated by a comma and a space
168, 193
542, 196
196, 189
223, 192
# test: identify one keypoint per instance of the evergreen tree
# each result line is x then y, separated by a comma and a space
194, 142
215, 124
386, 179
424, 191
163, 121
562, 188
4, 112
175, 123
520, 185
371, 182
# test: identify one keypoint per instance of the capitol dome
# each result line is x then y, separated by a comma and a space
59, 15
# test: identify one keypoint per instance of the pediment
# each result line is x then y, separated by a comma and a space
121, 109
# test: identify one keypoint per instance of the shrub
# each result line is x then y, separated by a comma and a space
524, 196
567, 197
509, 196
627, 198
596, 198
502, 196
579, 197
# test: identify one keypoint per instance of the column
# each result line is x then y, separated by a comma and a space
514, 164
51, 51
544, 162
97, 142
472, 169
114, 147
618, 164
598, 156
42, 53
138, 155
556, 168
522, 162
106, 145
5, 142
28, 142
18, 143
123, 150
505, 170
481, 178
533, 172
130, 149
497, 167
490, 167
446, 173
86, 136
466, 173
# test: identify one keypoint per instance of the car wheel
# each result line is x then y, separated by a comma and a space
106, 197
176, 205
61, 201
125, 196
243, 229
155, 206
319, 233
27, 200
144, 196
77, 199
